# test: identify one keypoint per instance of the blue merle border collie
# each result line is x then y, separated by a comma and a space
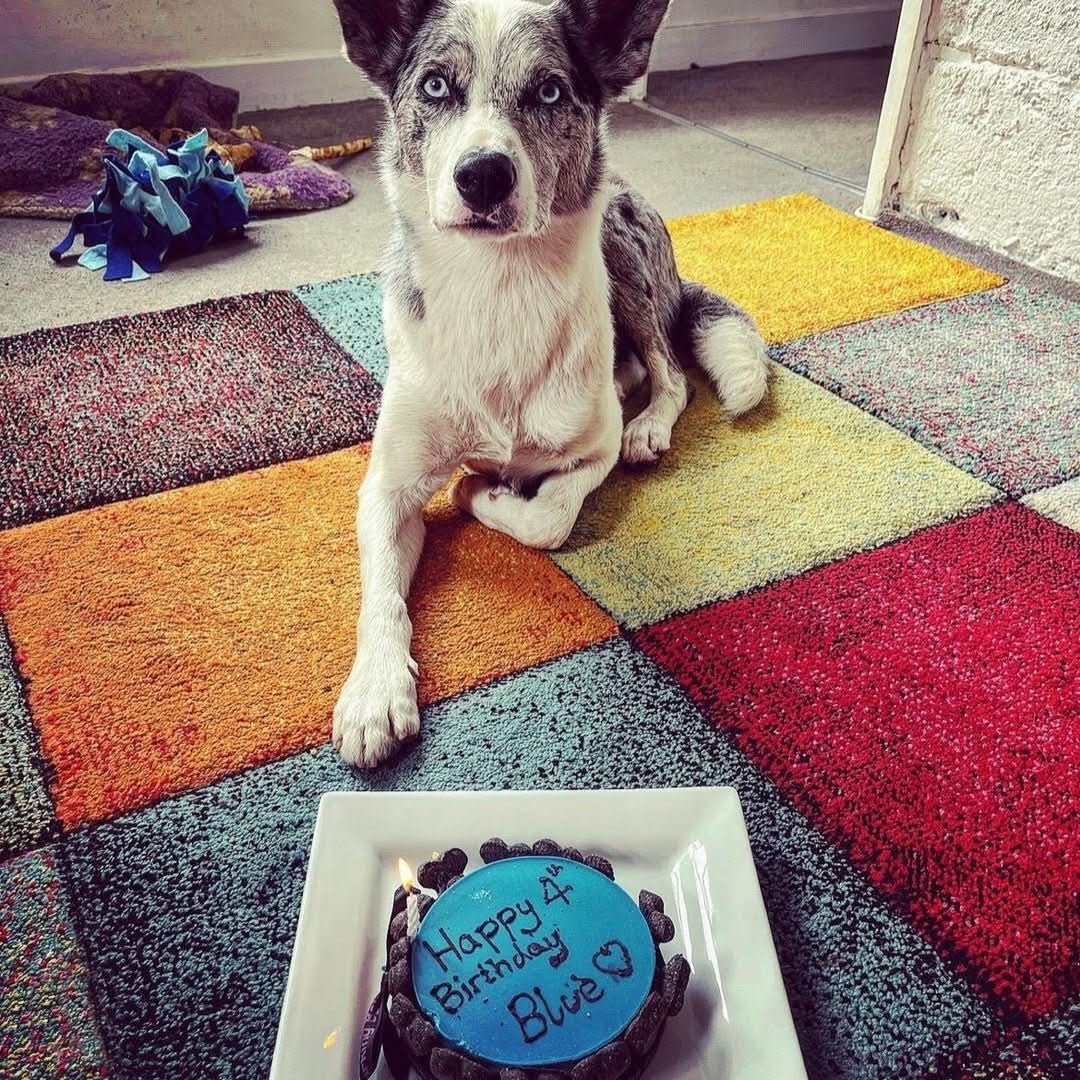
528, 294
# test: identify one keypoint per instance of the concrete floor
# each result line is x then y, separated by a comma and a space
810, 125
819, 111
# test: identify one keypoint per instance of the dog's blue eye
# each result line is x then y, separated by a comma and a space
436, 87
549, 92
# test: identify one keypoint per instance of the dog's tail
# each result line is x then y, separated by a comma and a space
726, 345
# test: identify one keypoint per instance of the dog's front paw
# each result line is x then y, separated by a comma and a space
644, 439
376, 711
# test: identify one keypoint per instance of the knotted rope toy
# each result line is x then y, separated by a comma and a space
156, 202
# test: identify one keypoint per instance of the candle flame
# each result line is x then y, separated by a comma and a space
405, 873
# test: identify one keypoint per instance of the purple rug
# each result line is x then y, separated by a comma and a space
52, 139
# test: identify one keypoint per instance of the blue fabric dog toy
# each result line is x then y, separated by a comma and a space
155, 202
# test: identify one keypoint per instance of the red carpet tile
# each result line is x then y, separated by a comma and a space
106, 411
921, 704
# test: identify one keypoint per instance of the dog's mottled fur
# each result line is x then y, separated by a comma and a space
515, 329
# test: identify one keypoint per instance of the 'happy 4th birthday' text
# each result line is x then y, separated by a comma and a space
515, 937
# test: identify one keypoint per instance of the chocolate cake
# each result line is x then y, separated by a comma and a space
535, 966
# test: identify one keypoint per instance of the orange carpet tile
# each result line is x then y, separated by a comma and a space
170, 640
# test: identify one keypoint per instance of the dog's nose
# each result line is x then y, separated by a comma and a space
484, 178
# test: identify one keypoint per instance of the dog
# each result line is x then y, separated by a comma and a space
527, 294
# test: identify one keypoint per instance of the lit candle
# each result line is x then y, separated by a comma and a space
412, 906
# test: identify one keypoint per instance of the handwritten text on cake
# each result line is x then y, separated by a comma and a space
514, 938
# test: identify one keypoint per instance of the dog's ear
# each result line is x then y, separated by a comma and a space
377, 34
617, 36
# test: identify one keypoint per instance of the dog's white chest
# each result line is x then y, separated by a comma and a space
516, 355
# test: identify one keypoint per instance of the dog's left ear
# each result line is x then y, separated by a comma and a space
377, 34
617, 36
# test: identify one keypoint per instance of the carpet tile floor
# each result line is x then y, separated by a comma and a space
858, 605
1061, 503
107, 411
47, 1022
990, 381
800, 482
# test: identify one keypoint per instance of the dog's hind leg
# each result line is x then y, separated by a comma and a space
630, 373
645, 297
546, 519
543, 521
648, 434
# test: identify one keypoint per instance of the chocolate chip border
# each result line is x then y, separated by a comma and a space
624, 1058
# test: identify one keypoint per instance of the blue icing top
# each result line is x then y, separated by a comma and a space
532, 961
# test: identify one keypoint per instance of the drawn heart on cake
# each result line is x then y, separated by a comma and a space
613, 958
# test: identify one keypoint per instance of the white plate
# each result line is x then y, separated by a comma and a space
689, 845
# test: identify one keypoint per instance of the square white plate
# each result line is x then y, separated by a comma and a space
689, 845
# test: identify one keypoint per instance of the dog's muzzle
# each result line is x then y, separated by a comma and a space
484, 179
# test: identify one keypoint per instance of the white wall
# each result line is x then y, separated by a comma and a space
287, 52
275, 52
46, 33
709, 32
992, 153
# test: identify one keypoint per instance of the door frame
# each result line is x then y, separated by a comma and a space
906, 74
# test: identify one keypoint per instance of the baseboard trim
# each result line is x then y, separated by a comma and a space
320, 79
774, 37
280, 82
277, 84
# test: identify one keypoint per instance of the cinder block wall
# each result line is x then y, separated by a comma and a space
993, 151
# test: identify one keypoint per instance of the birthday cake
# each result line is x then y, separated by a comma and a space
534, 966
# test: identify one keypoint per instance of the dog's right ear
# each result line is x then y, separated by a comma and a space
377, 34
